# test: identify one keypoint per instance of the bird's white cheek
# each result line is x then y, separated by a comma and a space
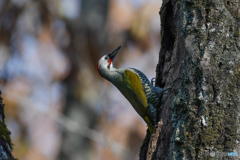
111, 67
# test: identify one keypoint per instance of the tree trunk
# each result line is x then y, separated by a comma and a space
5, 141
200, 60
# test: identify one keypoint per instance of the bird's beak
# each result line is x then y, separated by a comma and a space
114, 53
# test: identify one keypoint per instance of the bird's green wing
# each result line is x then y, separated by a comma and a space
135, 84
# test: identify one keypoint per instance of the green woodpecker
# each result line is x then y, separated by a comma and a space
134, 85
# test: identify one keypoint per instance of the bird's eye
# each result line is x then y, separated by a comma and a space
106, 58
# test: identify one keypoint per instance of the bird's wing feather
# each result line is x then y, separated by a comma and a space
143, 77
135, 84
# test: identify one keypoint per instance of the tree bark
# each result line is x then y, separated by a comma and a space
5, 140
200, 60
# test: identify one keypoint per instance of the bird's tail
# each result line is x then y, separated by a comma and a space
150, 125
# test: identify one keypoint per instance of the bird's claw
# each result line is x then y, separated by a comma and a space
153, 80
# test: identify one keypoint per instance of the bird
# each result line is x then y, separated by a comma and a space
143, 95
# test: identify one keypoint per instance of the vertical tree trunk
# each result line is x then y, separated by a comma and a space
200, 60
5, 141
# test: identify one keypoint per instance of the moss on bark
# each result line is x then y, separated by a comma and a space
5, 140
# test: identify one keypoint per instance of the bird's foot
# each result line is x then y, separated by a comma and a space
160, 91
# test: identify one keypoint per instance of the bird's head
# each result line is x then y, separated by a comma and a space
105, 63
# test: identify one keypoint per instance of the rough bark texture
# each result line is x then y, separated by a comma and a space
200, 60
5, 141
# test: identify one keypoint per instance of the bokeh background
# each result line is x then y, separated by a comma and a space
57, 106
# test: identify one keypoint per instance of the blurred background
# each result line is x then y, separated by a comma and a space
57, 105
